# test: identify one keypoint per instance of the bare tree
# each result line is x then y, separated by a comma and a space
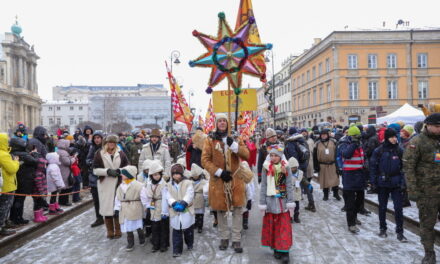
91, 124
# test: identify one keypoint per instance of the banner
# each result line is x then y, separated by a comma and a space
209, 119
247, 101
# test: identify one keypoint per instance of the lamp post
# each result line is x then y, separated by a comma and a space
266, 59
175, 54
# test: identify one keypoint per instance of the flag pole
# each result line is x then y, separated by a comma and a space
229, 109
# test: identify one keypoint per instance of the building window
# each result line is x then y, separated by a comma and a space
294, 83
392, 89
80, 107
80, 119
329, 93
294, 104
302, 79
391, 61
58, 121
372, 90
50, 108
72, 121
308, 76
313, 72
321, 95
422, 60
352, 61
353, 91
50, 121
372, 61
423, 89
314, 97
327, 65
58, 108
288, 88
320, 69
71, 108
308, 99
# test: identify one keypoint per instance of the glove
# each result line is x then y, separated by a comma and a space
262, 208
226, 176
310, 187
249, 205
229, 141
290, 205
112, 173
116, 213
184, 204
164, 217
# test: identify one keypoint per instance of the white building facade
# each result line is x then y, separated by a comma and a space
66, 114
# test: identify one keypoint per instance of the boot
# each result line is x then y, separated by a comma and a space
353, 229
237, 247
6, 232
97, 222
276, 254
325, 194
20, 221
336, 193
200, 224
52, 209
429, 257
39, 217
383, 233
358, 222
118, 233
246, 220
57, 207
311, 207
141, 236
285, 258
224, 244
130, 241
401, 238
364, 211
110, 228
296, 217
343, 209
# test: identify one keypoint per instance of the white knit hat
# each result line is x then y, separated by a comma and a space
182, 161
293, 163
155, 167
147, 164
129, 171
220, 116
196, 170
270, 132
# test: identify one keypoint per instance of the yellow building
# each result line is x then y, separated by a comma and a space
355, 76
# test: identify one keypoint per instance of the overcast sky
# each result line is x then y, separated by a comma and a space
91, 42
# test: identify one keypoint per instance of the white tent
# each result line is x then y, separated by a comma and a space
406, 113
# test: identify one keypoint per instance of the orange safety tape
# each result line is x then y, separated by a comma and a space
44, 195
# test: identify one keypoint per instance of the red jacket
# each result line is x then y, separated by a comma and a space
75, 168
252, 153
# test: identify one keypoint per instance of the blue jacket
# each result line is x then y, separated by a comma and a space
293, 150
351, 180
386, 166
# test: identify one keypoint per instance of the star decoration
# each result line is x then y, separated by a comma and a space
229, 54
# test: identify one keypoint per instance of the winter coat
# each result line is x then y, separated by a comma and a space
107, 184
370, 143
272, 203
183, 191
8, 166
54, 178
128, 201
292, 150
386, 166
298, 180
324, 161
353, 180
153, 196
162, 154
214, 158
174, 149
134, 151
66, 160
93, 179
28, 165
199, 200
39, 140
310, 167
40, 180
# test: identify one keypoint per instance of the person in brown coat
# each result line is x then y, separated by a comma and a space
324, 161
214, 159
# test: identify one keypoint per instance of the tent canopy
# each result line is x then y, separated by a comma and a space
406, 113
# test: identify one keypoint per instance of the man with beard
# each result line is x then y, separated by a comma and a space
156, 150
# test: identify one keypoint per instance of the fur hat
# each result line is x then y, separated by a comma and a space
196, 170
111, 139
147, 164
433, 119
276, 149
390, 132
270, 132
177, 169
129, 171
155, 167
155, 133
293, 163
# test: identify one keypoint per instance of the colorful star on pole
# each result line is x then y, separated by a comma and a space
229, 54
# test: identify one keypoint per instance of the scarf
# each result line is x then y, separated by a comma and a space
128, 181
276, 183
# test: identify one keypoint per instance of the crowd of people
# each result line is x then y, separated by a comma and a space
148, 183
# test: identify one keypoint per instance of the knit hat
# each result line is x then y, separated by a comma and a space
293, 163
177, 169
155, 167
147, 164
276, 149
155, 133
196, 170
270, 132
292, 131
395, 126
220, 116
354, 131
418, 127
182, 161
111, 139
401, 124
129, 171
408, 129
390, 132
69, 137
433, 119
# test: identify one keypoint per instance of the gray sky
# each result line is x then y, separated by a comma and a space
111, 42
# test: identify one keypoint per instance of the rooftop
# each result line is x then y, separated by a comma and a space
101, 88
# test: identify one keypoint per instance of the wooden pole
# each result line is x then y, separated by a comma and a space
229, 109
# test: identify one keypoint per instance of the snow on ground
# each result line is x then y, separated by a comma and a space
321, 237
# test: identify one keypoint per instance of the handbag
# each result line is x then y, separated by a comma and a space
244, 172
70, 179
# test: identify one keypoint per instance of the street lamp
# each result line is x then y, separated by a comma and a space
266, 59
175, 54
